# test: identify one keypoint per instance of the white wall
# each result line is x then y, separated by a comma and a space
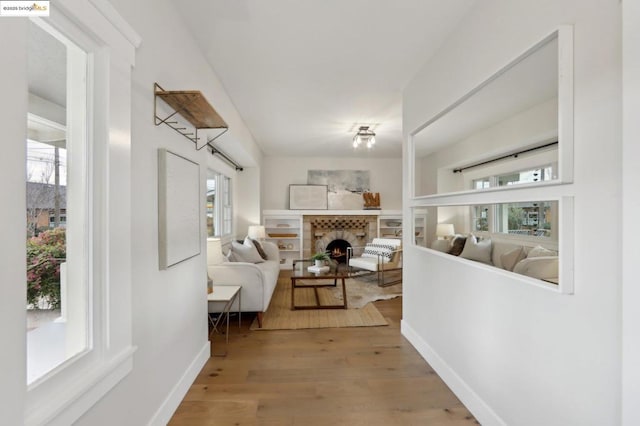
169, 309
514, 353
248, 200
630, 223
13, 86
279, 172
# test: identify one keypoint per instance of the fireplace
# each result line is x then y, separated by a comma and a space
337, 250
321, 230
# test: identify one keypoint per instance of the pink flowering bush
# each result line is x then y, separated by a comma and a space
45, 253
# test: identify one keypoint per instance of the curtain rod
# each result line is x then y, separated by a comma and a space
515, 155
216, 151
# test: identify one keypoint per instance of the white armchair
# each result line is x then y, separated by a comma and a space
380, 255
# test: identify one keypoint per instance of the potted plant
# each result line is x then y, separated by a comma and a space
320, 258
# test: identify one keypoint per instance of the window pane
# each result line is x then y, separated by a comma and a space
211, 204
481, 183
526, 176
57, 271
219, 211
532, 219
480, 218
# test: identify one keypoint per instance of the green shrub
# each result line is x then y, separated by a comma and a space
45, 253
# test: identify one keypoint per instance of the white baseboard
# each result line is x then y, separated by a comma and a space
172, 401
482, 412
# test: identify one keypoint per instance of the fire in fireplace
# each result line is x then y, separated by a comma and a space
337, 250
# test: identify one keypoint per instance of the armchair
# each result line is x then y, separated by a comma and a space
380, 255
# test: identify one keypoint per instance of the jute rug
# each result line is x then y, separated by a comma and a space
360, 313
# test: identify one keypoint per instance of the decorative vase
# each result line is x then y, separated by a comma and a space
319, 263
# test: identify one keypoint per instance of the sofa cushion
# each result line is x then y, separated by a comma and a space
541, 267
368, 263
539, 251
245, 253
257, 245
509, 259
478, 250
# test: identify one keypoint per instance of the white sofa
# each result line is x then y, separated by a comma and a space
258, 280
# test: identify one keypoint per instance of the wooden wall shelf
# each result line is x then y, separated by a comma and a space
193, 107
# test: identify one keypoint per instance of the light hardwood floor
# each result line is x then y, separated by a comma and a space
339, 376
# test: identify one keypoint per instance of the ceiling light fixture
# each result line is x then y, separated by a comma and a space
364, 136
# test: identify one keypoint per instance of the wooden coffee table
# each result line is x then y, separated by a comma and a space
300, 272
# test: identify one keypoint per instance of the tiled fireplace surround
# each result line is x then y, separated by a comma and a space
320, 230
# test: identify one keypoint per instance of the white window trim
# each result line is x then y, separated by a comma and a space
64, 394
218, 215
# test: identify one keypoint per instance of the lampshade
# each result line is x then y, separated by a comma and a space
256, 232
445, 230
214, 251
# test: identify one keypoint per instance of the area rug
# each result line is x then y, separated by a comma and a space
360, 313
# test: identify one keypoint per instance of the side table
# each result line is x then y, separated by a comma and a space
226, 294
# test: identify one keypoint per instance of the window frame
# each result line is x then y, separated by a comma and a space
68, 391
223, 206
555, 190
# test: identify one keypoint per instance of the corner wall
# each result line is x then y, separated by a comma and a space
514, 353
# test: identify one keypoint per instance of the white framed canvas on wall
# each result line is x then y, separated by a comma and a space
178, 208
308, 197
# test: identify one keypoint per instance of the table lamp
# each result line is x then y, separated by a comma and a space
256, 232
214, 251
445, 230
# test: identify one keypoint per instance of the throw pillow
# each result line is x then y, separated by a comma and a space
478, 250
458, 245
510, 258
374, 250
541, 267
245, 253
230, 256
538, 251
257, 245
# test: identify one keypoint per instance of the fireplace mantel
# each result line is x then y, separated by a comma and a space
332, 212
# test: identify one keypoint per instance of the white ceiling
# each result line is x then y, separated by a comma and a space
46, 66
304, 74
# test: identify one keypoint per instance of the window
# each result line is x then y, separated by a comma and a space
78, 66
58, 282
219, 207
530, 219
480, 218
529, 175
534, 219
